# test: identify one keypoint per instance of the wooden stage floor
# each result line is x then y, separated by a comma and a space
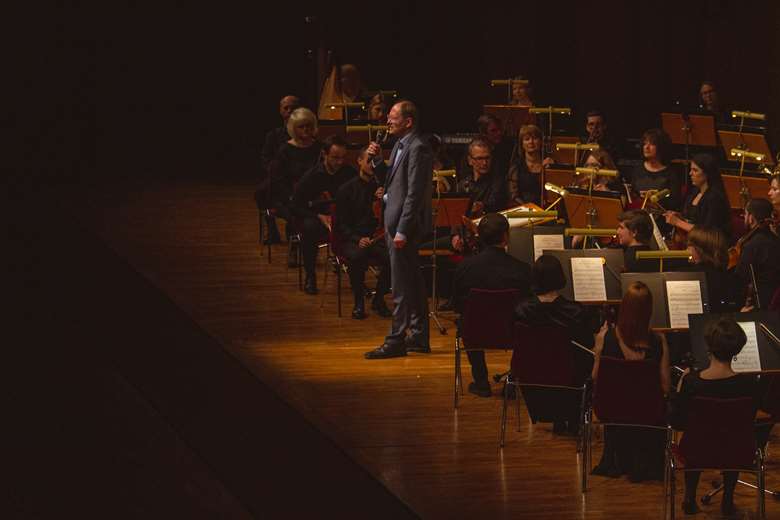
198, 242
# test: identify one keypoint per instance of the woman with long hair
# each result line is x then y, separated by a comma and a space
633, 451
706, 204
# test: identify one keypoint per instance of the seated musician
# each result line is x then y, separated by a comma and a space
725, 339
312, 200
759, 250
485, 189
521, 94
491, 130
709, 254
655, 172
273, 142
548, 308
633, 451
635, 233
599, 159
706, 204
709, 102
299, 154
357, 224
377, 109
596, 132
525, 172
493, 269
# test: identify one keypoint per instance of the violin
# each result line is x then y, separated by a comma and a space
735, 251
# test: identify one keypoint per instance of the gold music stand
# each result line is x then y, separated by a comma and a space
558, 176
563, 155
739, 187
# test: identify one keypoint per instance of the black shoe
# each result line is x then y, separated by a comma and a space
310, 286
413, 345
358, 313
386, 351
482, 390
380, 307
689, 507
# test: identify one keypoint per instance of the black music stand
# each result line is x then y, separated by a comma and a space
613, 266
521, 240
448, 211
656, 282
768, 351
599, 210
754, 186
512, 117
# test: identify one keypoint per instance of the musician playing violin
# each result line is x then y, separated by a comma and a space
486, 189
358, 224
310, 202
759, 248
774, 199
706, 204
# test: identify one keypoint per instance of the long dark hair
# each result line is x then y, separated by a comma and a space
709, 166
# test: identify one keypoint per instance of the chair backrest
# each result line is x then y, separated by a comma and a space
629, 392
488, 319
770, 401
544, 356
774, 303
719, 433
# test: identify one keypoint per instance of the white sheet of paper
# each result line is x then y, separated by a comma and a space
587, 275
748, 359
684, 298
542, 242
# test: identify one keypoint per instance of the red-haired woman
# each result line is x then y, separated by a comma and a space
633, 451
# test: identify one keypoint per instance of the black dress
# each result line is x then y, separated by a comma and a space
643, 179
712, 211
637, 452
522, 184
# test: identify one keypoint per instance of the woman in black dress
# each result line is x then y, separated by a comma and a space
725, 339
638, 452
656, 173
525, 172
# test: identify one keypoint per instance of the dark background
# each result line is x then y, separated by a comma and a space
177, 92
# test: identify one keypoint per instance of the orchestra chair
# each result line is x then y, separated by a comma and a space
487, 323
768, 415
625, 394
546, 370
719, 435
337, 260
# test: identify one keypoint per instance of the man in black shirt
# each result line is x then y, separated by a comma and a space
491, 130
493, 269
596, 132
273, 140
312, 200
363, 238
486, 189
761, 251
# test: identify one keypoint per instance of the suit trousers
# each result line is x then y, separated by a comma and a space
409, 295
358, 260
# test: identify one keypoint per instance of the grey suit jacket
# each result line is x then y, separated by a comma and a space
409, 187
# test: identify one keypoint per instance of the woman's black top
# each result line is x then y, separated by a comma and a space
643, 179
740, 385
581, 321
712, 211
633, 265
612, 348
292, 163
523, 185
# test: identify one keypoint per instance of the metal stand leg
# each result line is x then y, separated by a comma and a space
433, 314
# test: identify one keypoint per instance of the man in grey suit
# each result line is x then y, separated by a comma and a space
407, 217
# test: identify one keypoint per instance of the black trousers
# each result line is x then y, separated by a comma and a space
313, 232
358, 260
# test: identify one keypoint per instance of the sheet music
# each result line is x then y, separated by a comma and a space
542, 242
659, 239
587, 276
748, 359
683, 298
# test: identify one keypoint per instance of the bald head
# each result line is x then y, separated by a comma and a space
286, 106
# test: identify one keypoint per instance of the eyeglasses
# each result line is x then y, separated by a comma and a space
484, 158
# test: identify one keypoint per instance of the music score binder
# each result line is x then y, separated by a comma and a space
521, 240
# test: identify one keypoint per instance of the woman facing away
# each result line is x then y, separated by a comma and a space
637, 452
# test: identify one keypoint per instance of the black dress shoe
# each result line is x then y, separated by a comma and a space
310, 287
480, 390
358, 313
380, 307
386, 351
413, 345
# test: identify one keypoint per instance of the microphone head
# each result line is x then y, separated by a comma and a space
381, 136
